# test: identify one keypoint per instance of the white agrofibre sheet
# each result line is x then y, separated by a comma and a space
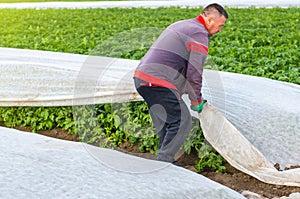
40, 78
248, 114
35, 166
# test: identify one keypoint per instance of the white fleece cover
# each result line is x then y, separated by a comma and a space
39, 167
151, 4
253, 122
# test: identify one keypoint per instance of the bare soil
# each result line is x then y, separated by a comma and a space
232, 178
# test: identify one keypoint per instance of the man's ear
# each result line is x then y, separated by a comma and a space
209, 19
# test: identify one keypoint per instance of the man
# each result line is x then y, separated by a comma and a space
172, 67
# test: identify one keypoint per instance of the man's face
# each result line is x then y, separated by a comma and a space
215, 24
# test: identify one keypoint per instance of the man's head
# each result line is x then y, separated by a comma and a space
215, 17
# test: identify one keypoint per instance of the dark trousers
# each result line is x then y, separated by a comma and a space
170, 115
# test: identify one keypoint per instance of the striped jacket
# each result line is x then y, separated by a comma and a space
176, 59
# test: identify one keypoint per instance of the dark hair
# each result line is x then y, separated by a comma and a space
215, 7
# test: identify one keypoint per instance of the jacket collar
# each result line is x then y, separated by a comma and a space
201, 20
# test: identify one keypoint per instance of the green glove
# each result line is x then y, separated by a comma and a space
199, 107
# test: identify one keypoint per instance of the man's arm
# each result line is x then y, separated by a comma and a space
197, 56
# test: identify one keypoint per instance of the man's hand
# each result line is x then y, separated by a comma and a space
199, 107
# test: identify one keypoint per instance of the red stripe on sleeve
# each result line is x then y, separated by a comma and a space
196, 47
193, 103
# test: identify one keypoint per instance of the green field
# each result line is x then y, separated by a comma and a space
261, 42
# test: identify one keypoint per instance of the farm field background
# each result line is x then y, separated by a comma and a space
255, 41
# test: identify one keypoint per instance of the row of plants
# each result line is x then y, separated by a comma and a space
255, 41
110, 125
